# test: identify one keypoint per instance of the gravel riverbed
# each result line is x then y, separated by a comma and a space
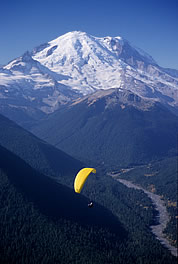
163, 216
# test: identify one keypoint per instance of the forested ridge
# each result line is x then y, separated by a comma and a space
36, 152
109, 134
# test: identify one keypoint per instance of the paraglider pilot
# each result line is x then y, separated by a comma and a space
90, 204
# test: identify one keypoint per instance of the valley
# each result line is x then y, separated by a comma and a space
161, 219
157, 180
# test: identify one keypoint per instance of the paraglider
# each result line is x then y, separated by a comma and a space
80, 180
81, 177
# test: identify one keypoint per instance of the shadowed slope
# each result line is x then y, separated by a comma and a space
54, 199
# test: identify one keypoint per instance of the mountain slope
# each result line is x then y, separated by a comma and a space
42, 221
38, 153
113, 127
50, 197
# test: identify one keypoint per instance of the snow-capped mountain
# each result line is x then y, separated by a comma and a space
102, 63
78, 64
29, 83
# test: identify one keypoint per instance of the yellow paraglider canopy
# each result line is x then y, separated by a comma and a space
81, 177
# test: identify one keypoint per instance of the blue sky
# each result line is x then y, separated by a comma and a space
148, 24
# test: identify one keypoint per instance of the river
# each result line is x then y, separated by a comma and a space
163, 217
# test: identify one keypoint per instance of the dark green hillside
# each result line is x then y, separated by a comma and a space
37, 153
52, 198
44, 222
115, 135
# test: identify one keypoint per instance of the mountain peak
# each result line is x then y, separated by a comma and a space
23, 62
80, 64
26, 57
70, 35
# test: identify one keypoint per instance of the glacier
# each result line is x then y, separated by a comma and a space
77, 64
